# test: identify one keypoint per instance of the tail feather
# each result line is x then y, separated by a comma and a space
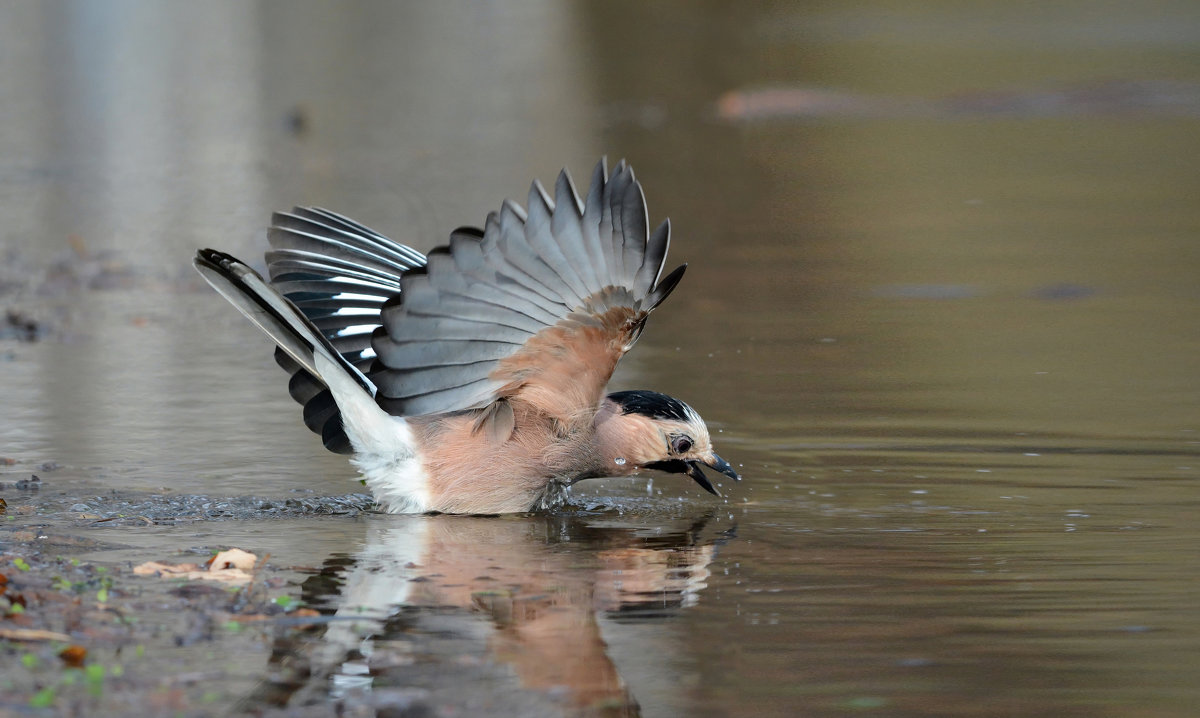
270, 311
339, 400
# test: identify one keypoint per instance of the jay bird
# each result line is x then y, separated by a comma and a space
472, 380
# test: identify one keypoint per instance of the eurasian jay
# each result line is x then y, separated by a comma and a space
472, 380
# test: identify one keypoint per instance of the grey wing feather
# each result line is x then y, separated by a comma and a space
478, 394
479, 299
510, 275
471, 279
653, 259
424, 299
599, 253
614, 192
539, 233
567, 228
293, 232
339, 274
401, 253
512, 243
633, 229
424, 353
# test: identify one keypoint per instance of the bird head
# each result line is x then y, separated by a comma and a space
646, 430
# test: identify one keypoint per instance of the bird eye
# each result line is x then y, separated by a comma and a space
680, 444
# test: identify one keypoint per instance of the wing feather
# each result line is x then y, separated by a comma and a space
412, 355
476, 394
595, 229
511, 242
614, 192
340, 274
292, 232
567, 228
539, 234
538, 306
634, 224
653, 259
483, 281
359, 233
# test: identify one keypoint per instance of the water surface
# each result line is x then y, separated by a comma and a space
941, 311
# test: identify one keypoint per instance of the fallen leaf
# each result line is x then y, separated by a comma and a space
73, 656
227, 567
152, 568
249, 617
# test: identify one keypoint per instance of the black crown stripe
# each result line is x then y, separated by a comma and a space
651, 404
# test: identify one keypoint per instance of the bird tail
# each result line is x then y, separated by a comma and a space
279, 318
384, 444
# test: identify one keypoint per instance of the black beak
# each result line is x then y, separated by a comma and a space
723, 466
692, 469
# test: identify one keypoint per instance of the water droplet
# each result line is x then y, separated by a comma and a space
620, 461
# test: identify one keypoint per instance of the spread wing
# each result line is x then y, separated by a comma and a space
539, 306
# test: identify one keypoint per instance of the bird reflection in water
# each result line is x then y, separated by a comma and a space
496, 613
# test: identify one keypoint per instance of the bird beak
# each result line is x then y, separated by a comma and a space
723, 466
691, 467
715, 462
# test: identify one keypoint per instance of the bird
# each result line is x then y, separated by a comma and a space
472, 380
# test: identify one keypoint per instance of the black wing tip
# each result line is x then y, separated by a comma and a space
664, 288
223, 263
212, 257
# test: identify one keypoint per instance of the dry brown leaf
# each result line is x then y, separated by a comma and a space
73, 656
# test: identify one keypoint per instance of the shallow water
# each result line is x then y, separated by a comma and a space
940, 311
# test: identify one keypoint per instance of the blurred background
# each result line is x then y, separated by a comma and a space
942, 307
